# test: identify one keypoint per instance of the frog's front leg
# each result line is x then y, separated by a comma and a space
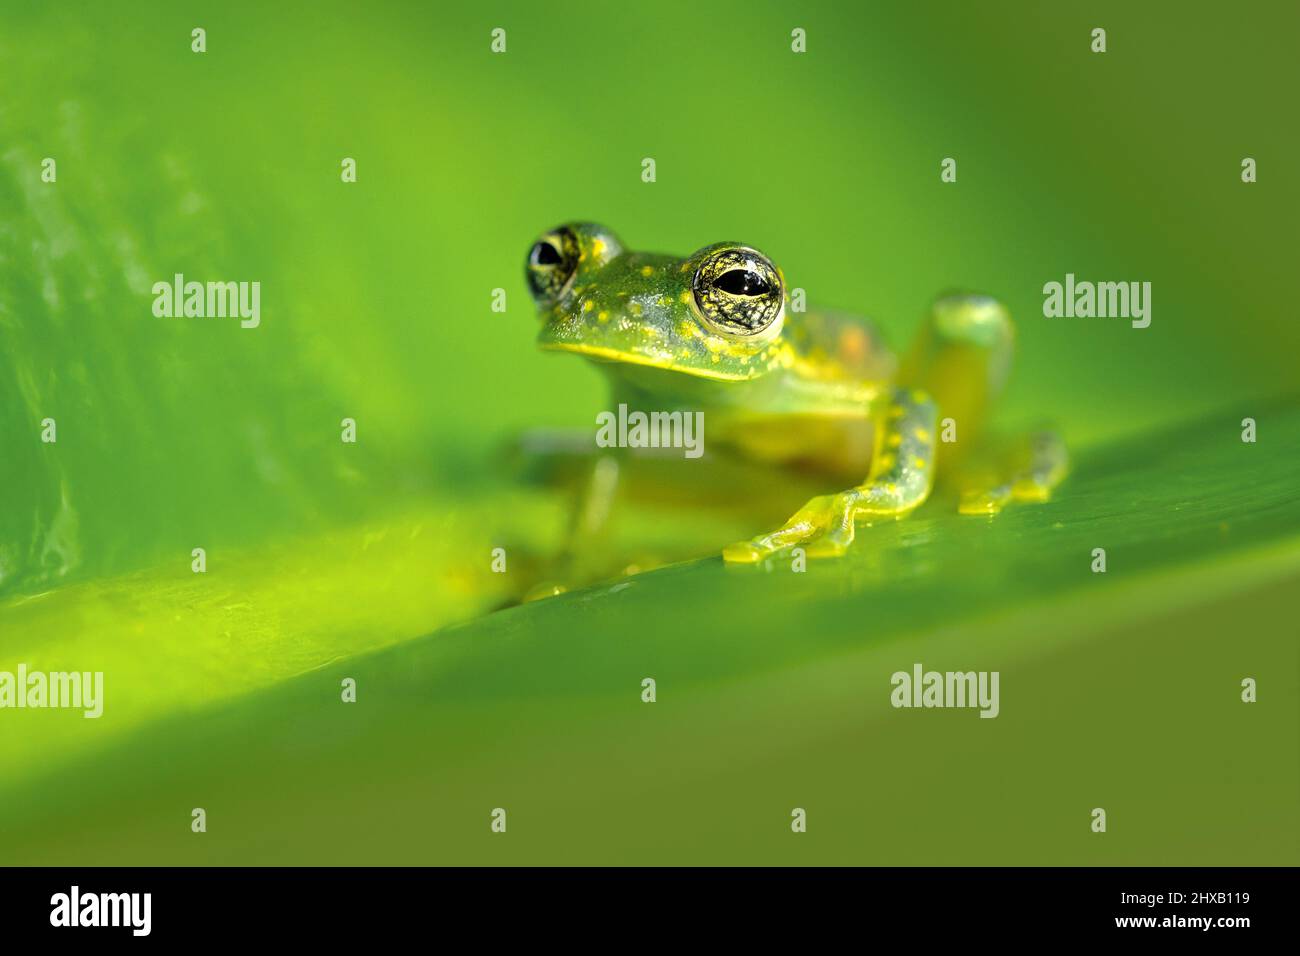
583, 555
902, 473
569, 462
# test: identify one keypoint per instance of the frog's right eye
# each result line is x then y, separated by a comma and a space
551, 264
737, 291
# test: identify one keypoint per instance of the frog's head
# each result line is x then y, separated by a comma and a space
716, 314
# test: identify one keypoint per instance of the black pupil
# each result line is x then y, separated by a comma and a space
742, 282
545, 254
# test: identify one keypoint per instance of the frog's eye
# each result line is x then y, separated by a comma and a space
551, 263
738, 291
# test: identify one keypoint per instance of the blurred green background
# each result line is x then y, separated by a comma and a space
330, 560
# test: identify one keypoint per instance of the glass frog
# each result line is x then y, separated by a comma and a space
810, 391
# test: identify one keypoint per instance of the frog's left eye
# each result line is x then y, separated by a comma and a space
737, 291
551, 264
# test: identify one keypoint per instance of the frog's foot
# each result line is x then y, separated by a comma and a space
1032, 472
901, 476
823, 527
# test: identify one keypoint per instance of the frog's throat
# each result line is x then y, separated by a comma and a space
604, 355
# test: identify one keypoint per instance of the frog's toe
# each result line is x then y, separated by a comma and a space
1038, 464
765, 545
837, 527
743, 552
1034, 489
824, 528
830, 544
984, 501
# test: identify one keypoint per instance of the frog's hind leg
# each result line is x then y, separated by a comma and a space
902, 472
962, 357
1028, 471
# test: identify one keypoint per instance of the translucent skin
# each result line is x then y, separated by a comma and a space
814, 387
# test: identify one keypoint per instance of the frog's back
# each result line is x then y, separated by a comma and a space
837, 347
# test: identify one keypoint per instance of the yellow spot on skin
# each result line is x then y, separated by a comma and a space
635, 308
686, 298
895, 440
603, 316
919, 396
647, 270
922, 435
588, 306
918, 463
853, 345
886, 462
598, 247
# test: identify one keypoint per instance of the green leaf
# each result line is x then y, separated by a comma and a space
1118, 690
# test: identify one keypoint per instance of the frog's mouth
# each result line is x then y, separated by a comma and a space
653, 339
607, 355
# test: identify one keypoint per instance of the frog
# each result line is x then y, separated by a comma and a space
784, 388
